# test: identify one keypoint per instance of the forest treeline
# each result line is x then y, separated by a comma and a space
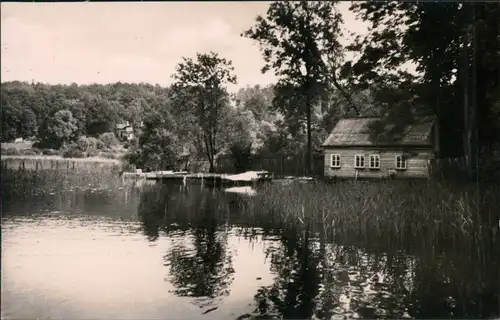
455, 48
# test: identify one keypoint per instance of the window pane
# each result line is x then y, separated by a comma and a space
335, 160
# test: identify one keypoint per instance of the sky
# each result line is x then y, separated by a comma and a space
86, 42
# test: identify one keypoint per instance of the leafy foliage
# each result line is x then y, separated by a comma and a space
109, 139
238, 137
454, 47
299, 42
26, 108
200, 90
157, 146
60, 129
458, 65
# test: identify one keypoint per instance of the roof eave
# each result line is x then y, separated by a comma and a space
353, 146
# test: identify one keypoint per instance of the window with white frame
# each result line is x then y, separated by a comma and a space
374, 161
400, 162
335, 161
359, 161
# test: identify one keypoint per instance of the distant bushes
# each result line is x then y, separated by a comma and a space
85, 147
31, 152
93, 147
109, 140
51, 152
21, 152
73, 152
105, 146
11, 152
109, 155
240, 155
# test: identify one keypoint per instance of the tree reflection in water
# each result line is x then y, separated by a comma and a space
200, 265
322, 280
314, 276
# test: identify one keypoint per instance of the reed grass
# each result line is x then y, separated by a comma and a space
80, 165
387, 211
423, 215
19, 184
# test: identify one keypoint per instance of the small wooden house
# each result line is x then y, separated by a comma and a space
354, 150
125, 131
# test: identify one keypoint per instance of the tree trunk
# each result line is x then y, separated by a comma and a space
309, 136
473, 134
470, 128
209, 155
466, 141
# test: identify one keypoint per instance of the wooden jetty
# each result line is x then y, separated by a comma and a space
246, 178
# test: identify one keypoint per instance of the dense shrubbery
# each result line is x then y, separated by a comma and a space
73, 152
21, 152
51, 152
92, 147
109, 155
31, 152
80, 148
109, 140
11, 152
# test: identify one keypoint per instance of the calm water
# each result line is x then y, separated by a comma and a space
167, 252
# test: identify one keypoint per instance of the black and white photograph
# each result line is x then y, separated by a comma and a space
250, 160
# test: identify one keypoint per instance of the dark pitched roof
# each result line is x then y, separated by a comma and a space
357, 132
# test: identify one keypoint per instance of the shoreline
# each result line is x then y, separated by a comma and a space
60, 158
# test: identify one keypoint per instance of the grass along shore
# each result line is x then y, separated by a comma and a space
58, 163
56, 157
18, 184
407, 212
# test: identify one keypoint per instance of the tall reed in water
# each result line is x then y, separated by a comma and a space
25, 183
384, 211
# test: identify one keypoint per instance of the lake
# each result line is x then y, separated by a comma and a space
165, 251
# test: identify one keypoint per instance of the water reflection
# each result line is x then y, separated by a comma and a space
200, 265
314, 277
171, 251
297, 278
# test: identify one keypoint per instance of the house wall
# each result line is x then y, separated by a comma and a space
417, 163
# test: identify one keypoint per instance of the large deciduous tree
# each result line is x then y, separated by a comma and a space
200, 94
101, 115
299, 41
158, 145
59, 129
456, 48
